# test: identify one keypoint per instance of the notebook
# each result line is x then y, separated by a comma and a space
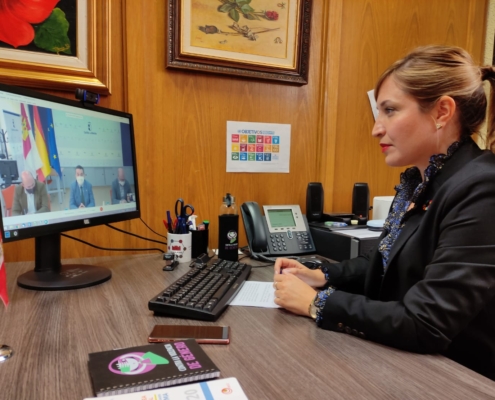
149, 367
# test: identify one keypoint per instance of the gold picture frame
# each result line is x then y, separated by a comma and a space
263, 39
88, 69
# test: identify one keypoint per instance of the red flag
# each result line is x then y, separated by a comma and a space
26, 142
32, 161
3, 277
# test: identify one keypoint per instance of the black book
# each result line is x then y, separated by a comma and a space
149, 367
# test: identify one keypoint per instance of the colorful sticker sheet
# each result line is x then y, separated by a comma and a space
258, 147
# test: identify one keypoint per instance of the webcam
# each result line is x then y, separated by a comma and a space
87, 98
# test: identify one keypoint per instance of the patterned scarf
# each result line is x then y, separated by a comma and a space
409, 191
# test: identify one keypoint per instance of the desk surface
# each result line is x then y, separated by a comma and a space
273, 354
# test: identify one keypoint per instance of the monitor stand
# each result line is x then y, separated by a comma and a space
50, 274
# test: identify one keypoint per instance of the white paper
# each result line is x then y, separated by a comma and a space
359, 233
228, 389
371, 97
381, 206
256, 294
258, 147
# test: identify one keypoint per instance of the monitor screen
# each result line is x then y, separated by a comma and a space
63, 165
8, 171
281, 218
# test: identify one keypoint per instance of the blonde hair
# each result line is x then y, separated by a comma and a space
430, 72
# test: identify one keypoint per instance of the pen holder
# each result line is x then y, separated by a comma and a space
199, 243
180, 245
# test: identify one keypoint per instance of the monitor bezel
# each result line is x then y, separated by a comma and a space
60, 227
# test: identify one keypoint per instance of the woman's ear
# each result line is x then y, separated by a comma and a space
444, 110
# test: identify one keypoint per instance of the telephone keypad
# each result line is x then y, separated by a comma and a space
290, 242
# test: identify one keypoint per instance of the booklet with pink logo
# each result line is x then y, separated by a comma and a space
149, 367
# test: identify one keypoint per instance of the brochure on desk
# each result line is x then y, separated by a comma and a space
228, 389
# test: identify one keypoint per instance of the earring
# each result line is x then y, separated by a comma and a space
439, 126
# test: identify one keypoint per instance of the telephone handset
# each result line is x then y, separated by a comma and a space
283, 231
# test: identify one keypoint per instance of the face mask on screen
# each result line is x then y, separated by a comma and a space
80, 180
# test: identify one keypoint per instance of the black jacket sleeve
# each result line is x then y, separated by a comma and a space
440, 297
348, 275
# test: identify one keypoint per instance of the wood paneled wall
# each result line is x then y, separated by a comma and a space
374, 34
180, 116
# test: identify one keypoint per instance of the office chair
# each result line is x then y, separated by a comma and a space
8, 198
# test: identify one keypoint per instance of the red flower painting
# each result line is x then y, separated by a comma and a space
17, 17
236, 8
273, 15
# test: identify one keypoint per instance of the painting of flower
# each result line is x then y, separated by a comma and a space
266, 39
236, 8
241, 26
47, 26
56, 44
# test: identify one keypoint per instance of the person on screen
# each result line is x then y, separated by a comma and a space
81, 191
429, 286
121, 188
30, 197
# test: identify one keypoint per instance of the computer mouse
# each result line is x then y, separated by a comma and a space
311, 262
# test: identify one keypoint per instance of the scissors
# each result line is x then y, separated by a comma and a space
181, 209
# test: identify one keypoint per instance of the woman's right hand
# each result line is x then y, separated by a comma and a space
313, 277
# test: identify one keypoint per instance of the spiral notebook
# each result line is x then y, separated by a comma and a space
149, 367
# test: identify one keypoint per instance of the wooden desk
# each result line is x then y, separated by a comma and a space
273, 354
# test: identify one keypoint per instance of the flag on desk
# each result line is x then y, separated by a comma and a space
3, 277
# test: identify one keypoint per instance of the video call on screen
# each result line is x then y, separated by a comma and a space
49, 140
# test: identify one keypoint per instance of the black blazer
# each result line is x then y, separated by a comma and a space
438, 292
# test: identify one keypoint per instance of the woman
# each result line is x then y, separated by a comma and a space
430, 285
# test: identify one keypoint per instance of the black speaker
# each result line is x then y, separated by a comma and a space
361, 200
314, 201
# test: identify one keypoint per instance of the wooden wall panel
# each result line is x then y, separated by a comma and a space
374, 34
180, 116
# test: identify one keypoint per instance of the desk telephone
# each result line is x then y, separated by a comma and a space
283, 231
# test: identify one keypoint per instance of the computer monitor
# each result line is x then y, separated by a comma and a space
80, 167
8, 172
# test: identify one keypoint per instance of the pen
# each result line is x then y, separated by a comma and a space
169, 221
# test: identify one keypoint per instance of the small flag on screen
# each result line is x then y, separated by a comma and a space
3, 277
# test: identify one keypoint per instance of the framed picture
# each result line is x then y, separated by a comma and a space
264, 39
57, 45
